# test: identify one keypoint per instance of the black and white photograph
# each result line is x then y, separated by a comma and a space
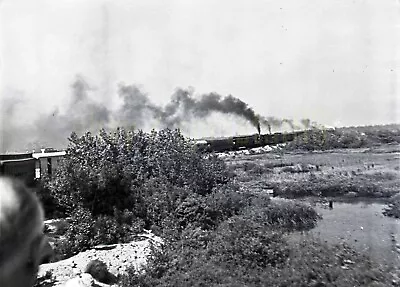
199, 143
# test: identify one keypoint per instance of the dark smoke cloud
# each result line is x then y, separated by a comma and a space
184, 105
84, 113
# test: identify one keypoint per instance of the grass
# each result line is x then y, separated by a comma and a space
359, 174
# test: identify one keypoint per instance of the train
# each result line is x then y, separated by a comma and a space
244, 142
30, 167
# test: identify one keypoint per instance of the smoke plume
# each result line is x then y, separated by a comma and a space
86, 113
83, 114
184, 106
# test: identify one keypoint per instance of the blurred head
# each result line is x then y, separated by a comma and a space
22, 242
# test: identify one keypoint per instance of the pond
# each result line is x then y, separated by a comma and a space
361, 225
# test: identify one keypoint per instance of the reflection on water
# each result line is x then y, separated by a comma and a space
363, 226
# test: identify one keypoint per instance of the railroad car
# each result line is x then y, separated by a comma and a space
21, 166
30, 167
241, 142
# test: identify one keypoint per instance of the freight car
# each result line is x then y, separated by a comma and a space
245, 142
220, 144
47, 162
21, 166
278, 138
30, 167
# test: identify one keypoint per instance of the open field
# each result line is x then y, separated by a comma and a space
350, 173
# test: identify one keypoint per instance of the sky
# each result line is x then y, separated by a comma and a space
335, 62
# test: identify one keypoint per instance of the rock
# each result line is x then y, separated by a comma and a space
83, 280
347, 261
98, 270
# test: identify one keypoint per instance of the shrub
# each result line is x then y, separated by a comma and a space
86, 231
205, 258
109, 171
49, 202
285, 215
313, 263
258, 257
98, 270
114, 184
240, 241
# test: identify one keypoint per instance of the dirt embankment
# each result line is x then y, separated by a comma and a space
117, 257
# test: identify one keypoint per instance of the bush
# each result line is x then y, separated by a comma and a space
109, 171
110, 181
49, 202
286, 215
241, 252
85, 231
99, 271
313, 263
205, 258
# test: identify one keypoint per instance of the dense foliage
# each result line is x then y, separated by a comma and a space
110, 171
110, 182
246, 253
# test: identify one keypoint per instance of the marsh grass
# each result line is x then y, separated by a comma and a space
284, 215
324, 174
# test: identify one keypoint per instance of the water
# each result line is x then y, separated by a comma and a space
362, 226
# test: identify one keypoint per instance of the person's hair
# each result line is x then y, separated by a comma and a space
21, 222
